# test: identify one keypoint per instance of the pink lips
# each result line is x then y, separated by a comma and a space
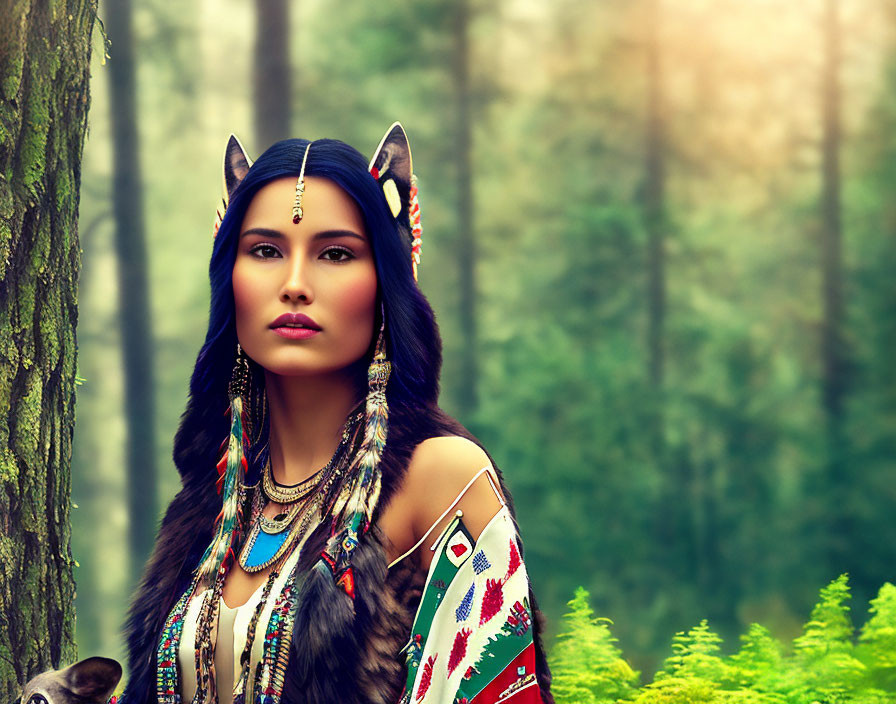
287, 325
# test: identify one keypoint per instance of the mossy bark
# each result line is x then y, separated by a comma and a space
44, 96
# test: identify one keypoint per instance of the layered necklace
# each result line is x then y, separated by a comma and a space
269, 539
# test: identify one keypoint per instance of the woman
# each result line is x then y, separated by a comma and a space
347, 541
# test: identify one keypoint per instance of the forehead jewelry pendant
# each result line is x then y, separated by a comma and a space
300, 189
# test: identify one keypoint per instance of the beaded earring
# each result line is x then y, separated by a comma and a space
232, 469
353, 509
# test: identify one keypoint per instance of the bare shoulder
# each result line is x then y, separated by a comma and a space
439, 471
446, 460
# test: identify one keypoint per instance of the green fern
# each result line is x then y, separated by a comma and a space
695, 654
877, 642
759, 664
587, 666
829, 628
826, 666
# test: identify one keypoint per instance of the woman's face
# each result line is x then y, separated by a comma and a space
321, 268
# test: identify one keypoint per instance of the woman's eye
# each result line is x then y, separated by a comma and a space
264, 251
337, 254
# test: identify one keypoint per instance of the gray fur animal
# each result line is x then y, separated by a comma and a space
90, 681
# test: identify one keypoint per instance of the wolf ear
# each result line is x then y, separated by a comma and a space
93, 679
393, 169
236, 166
392, 162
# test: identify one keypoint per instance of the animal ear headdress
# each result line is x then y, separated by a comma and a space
393, 169
236, 166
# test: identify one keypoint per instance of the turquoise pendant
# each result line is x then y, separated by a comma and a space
264, 547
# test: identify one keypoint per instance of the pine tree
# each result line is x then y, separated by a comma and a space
825, 665
877, 642
759, 662
587, 667
696, 653
829, 628
694, 671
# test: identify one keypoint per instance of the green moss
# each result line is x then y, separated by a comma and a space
9, 473
13, 78
7, 206
30, 611
9, 353
7, 211
51, 65
26, 440
40, 253
35, 132
63, 185
14, 39
5, 243
25, 313
66, 207
49, 334
7, 374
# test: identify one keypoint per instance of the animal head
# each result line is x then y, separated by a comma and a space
89, 681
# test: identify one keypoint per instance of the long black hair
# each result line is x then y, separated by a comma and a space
332, 631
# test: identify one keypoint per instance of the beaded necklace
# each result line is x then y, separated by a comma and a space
269, 539
271, 669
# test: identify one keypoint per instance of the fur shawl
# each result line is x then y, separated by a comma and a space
360, 666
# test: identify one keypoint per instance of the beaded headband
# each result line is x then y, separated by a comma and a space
391, 166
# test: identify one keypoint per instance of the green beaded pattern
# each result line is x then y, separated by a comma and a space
166, 672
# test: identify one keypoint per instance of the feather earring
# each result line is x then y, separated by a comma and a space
354, 507
232, 469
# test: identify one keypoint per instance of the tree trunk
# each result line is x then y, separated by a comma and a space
655, 221
133, 288
271, 73
466, 245
44, 95
654, 216
677, 532
833, 353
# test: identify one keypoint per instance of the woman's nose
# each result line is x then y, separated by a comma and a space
296, 286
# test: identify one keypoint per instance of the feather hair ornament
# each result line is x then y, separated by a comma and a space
416, 227
353, 509
232, 469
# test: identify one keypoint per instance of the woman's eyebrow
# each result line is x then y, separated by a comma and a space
333, 234
264, 232
325, 235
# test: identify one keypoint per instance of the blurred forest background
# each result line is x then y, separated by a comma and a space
659, 237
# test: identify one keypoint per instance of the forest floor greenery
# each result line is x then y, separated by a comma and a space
828, 663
